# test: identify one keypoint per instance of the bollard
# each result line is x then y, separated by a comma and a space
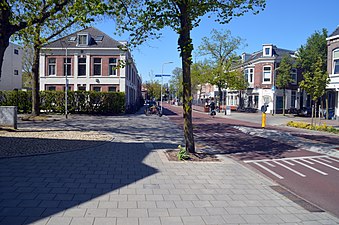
263, 120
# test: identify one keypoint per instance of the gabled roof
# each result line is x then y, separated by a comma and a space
98, 39
335, 33
278, 53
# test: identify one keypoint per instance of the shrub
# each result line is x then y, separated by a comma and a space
77, 101
182, 154
322, 127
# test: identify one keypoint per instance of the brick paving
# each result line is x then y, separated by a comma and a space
128, 181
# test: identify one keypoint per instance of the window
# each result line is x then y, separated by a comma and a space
267, 74
293, 99
112, 66
81, 88
98, 89
336, 61
82, 67
16, 72
251, 74
82, 39
51, 88
267, 51
67, 67
112, 89
16, 51
294, 76
246, 74
97, 66
51, 66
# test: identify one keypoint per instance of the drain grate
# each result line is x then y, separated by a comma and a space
306, 205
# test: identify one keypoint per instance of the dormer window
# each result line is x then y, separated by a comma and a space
267, 50
82, 39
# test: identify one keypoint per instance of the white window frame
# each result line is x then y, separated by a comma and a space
111, 65
246, 74
335, 59
251, 75
49, 67
82, 64
97, 64
81, 38
263, 75
67, 62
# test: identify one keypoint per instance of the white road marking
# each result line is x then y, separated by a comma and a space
283, 159
323, 159
304, 160
325, 164
270, 171
333, 159
310, 167
290, 169
288, 162
271, 165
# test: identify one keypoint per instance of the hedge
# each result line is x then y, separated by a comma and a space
78, 102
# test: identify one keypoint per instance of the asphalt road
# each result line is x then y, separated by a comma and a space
285, 158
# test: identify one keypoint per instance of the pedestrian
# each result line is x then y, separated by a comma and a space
212, 108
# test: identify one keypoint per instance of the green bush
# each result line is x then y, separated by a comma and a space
88, 102
21, 99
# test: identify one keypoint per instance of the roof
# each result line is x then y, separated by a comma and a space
98, 39
335, 33
278, 53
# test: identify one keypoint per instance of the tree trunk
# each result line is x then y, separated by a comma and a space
326, 102
186, 47
5, 30
220, 97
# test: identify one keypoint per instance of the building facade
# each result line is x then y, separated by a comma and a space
11, 76
333, 71
90, 60
260, 70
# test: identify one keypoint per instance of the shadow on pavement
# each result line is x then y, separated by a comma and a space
36, 187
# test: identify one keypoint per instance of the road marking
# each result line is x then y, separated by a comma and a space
289, 163
290, 169
268, 170
304, 160
283, 159
325, 164
323, 159
333, 159
271, 165
310, 167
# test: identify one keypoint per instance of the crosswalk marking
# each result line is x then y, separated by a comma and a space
304, 160
288, 163
271, 165
290, 169
325, 164
268, 170
333, 159
310, 167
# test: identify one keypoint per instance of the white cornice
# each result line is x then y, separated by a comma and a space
333, 37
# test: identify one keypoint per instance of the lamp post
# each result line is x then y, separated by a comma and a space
66, 82
162, 74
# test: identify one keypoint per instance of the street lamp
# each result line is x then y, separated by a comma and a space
162, 74
66, 82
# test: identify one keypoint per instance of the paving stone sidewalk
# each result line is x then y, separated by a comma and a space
128, 181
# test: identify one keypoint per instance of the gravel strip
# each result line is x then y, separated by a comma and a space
35, 141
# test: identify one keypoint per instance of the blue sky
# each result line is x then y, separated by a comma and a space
284, 23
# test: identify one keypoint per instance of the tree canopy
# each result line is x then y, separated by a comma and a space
146, 18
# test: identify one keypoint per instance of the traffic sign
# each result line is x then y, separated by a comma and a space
163, 75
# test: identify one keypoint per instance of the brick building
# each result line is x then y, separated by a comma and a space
260, 72
333, 71
92, 61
